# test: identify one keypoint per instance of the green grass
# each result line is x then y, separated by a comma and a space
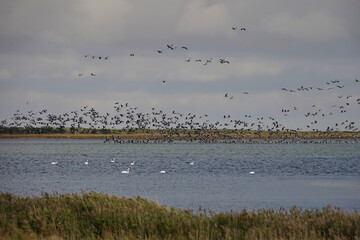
101, 216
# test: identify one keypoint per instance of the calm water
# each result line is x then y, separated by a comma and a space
305, 175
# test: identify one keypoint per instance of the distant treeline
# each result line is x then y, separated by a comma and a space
100, 216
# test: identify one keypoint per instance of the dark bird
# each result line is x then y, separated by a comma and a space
245, 93
92, 74
208, 61
222, 61
187, 60
234, 28
242, 29
81, 74
356, 80
163, 81
171, 46
132, 54
159, 51
226, 94
184, 47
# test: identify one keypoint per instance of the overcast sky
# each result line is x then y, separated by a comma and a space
287, 44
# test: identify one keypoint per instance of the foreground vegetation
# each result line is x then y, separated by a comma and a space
100, 216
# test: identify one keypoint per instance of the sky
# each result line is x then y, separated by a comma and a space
287, 44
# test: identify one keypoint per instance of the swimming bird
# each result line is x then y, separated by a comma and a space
87, 162
113, 160
192, 163
132, 163
252, 173
234, 28
126, 171
162, 171
54, 163
92, 74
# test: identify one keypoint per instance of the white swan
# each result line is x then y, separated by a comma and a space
87, 162
252, 172
113, 160
126, 171
54, 163
133, 163
162, 171
192, 163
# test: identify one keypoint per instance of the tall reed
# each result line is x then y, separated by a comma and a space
101, 216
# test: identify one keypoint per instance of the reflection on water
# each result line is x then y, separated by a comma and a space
306, 175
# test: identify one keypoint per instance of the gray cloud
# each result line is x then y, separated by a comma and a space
286, 44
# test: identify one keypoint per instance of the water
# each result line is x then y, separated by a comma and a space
305, 175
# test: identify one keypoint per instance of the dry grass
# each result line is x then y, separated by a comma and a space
100, 216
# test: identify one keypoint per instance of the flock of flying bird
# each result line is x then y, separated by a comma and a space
193, 126
169, 47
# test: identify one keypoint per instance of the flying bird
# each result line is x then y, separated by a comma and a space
171, 46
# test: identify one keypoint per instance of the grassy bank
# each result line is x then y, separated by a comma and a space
100, 216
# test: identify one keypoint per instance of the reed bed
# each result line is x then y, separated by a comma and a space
101, 216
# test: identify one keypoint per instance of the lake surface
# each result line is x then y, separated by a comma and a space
305, 175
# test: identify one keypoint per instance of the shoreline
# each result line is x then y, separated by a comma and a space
158, 136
